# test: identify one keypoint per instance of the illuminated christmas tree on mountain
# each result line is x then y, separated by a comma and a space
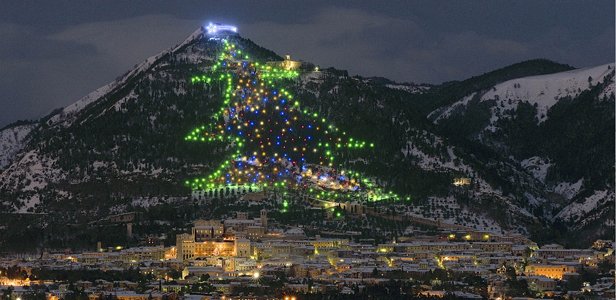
275, 142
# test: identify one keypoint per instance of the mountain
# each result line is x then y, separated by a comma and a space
536, 138
557, 128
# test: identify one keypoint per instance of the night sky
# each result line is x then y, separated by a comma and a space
54, 52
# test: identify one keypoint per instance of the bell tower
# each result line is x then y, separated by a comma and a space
264, 219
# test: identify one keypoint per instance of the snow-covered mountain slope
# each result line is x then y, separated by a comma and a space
575, 210
68, 113
12, 140
535, 124
410, 88
126, 141
542, 91
37, 169
103, 135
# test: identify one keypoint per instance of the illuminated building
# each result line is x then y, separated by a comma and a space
551, 271
437, 247
461, 181
126, 256
188, 248
287, 64
287, 247
552, 251
213, 238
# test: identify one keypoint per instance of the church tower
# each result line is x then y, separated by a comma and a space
264, 219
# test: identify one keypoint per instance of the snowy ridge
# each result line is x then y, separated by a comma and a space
12, 140
34, 172
575, 211
92, 97
569, 190
537, 166
543, 91
413, 89
445, 112
197, 34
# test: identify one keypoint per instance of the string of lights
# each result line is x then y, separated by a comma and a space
277, 143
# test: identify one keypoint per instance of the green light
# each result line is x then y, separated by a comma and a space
226, 174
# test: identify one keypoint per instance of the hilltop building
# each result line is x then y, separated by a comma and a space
287, 63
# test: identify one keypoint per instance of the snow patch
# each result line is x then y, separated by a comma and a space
542, 91
569, 190
537, 166
12, 140
576, 210
413, 89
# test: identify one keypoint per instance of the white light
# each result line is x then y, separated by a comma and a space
214, 28
256, 275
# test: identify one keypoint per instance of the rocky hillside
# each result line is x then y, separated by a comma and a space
538, 148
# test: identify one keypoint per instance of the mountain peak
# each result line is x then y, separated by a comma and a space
212, 30
197, 34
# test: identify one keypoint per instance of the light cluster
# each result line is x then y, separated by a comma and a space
276, 142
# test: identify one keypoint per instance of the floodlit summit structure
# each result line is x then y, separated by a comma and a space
287, 64
217, 28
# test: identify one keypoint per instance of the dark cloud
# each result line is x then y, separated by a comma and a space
55, 52
24, 43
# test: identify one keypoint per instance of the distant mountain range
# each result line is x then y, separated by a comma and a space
535, 138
